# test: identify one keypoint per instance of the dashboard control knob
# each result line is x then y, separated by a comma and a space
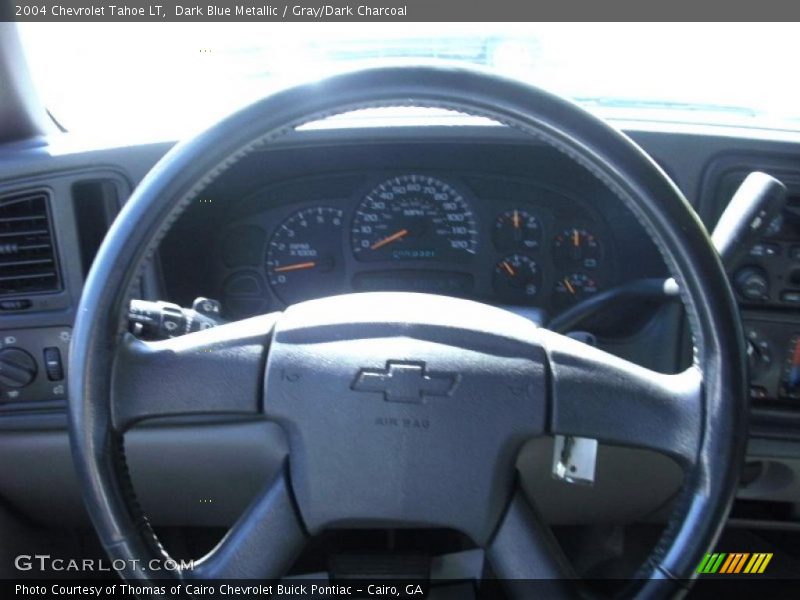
207, 306
752, 356
752, 284
17, 368
759, 355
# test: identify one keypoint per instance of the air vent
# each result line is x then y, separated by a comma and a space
95, 203
27, 252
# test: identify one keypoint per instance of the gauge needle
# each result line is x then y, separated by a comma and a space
794, 372
388, 240
576, 238
509, 268
516, 219
297, 266
570, 287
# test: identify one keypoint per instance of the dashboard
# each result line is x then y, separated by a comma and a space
475, 212
501, 240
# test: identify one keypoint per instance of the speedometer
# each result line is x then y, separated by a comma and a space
414, 217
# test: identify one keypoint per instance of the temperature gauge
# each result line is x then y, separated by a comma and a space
577, 248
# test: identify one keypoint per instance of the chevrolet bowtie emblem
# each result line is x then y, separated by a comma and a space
403, 381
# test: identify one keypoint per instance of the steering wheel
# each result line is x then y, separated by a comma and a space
406, 409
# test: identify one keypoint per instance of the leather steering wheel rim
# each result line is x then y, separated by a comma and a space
622, 166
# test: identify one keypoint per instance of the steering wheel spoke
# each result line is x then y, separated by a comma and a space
262, 544
524, 552
216, 371
597, 395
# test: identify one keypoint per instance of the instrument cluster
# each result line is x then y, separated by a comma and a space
518, 244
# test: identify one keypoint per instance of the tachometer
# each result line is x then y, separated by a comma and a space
414, 217
304, 256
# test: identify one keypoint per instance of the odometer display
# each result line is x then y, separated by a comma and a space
414, 217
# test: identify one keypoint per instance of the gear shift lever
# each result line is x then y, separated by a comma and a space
758, 200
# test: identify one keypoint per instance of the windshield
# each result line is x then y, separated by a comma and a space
165, 80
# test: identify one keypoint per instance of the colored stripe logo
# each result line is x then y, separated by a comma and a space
732, 563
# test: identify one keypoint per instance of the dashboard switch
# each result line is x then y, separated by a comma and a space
752, 284
17, 368
173, 321
207, 306
765, 249
790, 297
53, 365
